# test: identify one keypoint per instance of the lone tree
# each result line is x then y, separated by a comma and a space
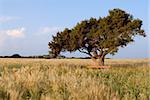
98, 37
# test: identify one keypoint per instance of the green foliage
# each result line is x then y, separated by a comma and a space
98, 37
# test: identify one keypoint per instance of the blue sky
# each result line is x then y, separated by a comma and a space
26, 26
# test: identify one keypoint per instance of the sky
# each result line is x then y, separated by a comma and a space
26, 26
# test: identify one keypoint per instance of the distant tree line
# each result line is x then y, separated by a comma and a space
43, 57
19, 56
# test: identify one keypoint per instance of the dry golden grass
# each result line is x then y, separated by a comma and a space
69, 79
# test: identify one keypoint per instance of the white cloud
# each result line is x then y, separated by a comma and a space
6, 35
16, 33
5, 19
50, 29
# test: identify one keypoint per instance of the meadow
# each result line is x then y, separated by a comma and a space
70, 79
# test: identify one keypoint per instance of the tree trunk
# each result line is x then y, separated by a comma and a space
98, 61
101, 61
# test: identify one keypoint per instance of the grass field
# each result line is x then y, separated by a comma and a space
69, 79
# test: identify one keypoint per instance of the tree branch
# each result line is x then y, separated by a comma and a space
109, 50
88, 53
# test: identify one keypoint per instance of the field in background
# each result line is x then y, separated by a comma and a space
69, 79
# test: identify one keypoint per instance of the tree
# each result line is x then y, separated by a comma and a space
15, 56
98, 37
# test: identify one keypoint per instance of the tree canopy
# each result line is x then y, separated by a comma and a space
98, 37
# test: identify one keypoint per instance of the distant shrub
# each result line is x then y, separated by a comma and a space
15, 56
46, 56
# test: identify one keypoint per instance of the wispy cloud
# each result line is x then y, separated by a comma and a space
2, 38
16, 33
9, 34
50, 30
5, 19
